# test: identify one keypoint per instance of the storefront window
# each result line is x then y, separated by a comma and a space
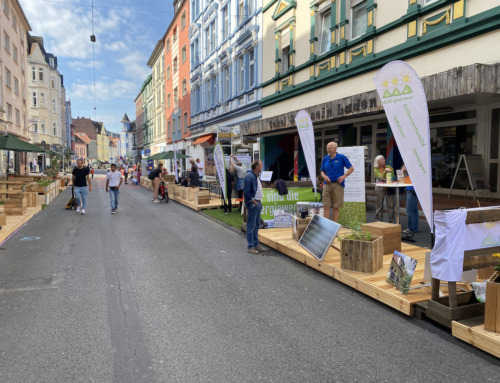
447, 144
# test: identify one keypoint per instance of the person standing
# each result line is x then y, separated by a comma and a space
125, 171
381, 172
39, 165
201, 167
332, 171
411, 206
194, 178
241, 172
155, 176
80, 179
113, 183
253, 197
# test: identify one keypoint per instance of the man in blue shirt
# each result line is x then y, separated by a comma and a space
332, 171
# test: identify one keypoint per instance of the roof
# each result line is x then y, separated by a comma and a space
85, 125
125, 118
83, 137
160, 45
79, 140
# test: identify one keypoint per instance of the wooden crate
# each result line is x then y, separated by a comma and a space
390, 232
201, 197
3, 219
169, 178
492, 307
468, 307
362, 256
299, 225
31, 198
15, 206
188, 193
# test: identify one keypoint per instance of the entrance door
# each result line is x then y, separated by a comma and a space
492, 163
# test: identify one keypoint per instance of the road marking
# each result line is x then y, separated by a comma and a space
30, 238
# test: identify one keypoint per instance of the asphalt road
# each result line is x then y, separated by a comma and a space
159, 293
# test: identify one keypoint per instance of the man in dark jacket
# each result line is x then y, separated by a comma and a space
252, 192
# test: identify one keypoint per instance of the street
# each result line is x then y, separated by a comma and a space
160, 293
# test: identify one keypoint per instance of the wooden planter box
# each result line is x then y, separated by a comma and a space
38, 189
468, 307
188, 193
362, 256
15, 206
492, 307
3, 219
390, 233
31, 198
201, 197
299, 225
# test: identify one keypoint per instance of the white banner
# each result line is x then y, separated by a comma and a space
405, 105
175, 163
354, 190
220, 165
306, 134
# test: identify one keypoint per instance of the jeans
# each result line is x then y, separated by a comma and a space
412, 210
113, 197
382, 193
81, 192
253, 223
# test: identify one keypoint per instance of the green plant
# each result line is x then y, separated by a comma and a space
357, 234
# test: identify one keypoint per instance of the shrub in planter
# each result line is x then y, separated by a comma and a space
361, 251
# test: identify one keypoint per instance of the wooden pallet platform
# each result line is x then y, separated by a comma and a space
373, 285
215, 203
472, 331
16, 221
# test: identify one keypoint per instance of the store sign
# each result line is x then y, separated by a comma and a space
405, 105
249, 139
306, 134
221, 167
224, 135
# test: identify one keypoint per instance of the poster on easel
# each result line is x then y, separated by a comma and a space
470, 171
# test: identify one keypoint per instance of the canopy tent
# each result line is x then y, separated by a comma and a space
14, 144
166, 156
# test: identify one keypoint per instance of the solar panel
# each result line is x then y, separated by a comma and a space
319, 236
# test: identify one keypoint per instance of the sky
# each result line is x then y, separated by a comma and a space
126, 32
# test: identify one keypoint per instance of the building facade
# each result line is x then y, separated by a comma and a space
13, 82
226, 71
139, 132
157, 64
147, 114
98, 147
326, 53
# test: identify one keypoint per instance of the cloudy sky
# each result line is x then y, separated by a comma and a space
126, 31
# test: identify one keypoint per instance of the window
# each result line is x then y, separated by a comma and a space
359, 18
183, 54
185, 122
241, 11
195, 56
16, 85
195, 8
6, 42
175, 35
51, 61
225, 22
42, 125
251, 69
14, 22
179, 123
53, 105
213, 89
42, 100
167, 45
285, 50
226, 88
210, 38
18, 117
34, 127
168, 129
250, 7
176, 96
9, 113
183, 20
33, 95
33, 73
425, 2
40, 74
175, 65
241, 74
14, 53
54, 128
324, 33
184, 87
6, 7
8, 79
168, 72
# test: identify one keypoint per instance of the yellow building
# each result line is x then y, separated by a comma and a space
102, 142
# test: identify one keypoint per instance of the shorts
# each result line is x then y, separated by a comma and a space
333, 195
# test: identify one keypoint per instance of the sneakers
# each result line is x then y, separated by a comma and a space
83, 211
113, 211
156, 201
78, 209
253, 251
260, 249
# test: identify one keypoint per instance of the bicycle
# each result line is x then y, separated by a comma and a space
163, 192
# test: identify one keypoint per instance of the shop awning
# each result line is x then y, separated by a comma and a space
203, 139
13, 143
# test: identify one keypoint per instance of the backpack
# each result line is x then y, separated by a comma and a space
281, 186
151, 175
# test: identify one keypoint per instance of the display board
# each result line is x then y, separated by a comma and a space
319, 236
471, 172
354, 209
272, 200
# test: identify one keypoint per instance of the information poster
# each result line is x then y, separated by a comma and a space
271, 200
354, 210
245, 159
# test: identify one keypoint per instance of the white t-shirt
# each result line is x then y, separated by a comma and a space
201, 168
125, 168
114, 178
258, 193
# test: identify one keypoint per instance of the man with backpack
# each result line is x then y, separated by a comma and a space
155, 176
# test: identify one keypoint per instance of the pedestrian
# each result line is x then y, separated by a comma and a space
332, 171
228, 202
382, 172
113, 183
92, 172
194, 178
125, 171
39, 165
201, 167
411, 206
241, 172
80, 179
253, 198
155, 176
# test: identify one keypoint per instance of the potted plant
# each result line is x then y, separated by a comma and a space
361, 251
492, 305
